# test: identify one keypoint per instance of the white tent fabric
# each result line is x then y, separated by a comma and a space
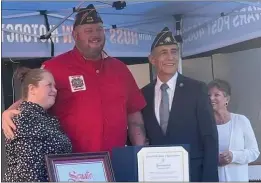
206, 25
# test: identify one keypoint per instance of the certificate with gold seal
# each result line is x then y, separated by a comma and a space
163, 164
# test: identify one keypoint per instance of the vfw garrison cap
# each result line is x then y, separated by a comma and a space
163, 38
87, 15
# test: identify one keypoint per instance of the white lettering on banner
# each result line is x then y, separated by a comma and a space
55, 38
10, 37
34, 29
236, 22
240, 20
219, 25
119, 32
116, 36
42, 30
112, 37
195, 35
19, 38
121, 36
127, 37
27, 29
67, 29
256, 14
146, 37
224, 23
2, 37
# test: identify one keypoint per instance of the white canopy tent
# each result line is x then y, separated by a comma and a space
204, 25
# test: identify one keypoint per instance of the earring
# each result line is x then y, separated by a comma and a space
226, 103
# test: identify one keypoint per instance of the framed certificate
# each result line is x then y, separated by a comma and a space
80, 167
163, 164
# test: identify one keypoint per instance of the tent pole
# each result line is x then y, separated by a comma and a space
180, 58
48, 28
48, 34
178, 37
20, 15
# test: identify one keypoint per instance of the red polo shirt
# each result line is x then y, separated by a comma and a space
93, 100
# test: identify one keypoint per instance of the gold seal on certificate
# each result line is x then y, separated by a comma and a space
163, 164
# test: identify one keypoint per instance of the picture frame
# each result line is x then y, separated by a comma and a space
80, 167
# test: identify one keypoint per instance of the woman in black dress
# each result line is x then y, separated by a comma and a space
37, 133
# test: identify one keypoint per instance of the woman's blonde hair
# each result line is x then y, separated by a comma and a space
29, 76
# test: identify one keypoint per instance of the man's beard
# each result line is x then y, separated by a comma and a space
92, 53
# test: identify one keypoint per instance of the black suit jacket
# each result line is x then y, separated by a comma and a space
191, 122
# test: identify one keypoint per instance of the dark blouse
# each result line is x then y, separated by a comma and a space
37, 134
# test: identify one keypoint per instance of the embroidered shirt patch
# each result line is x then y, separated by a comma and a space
77, 83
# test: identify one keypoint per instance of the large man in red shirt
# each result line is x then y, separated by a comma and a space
98, 97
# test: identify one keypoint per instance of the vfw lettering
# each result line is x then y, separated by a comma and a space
121, 36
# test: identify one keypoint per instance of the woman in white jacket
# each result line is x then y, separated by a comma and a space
237, 142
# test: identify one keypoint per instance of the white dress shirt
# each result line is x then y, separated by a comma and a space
171, 90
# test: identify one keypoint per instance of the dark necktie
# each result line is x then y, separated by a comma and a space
164, 107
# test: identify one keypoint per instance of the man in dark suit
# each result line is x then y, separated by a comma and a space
178, 110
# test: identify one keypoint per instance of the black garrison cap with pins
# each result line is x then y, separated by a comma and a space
87, 15
163, 38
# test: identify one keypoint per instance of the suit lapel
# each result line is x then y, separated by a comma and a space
177, 100
151, 94
151, 105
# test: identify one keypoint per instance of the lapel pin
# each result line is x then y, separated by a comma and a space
181, 84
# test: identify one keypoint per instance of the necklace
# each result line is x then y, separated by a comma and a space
222, 119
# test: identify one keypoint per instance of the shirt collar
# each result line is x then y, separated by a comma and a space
104, 55
96, 65
32, 107
171, 83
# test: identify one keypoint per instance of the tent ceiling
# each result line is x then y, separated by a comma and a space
135, 13
205, 24
159, 8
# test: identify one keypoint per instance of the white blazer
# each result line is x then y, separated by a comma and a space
243, 145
